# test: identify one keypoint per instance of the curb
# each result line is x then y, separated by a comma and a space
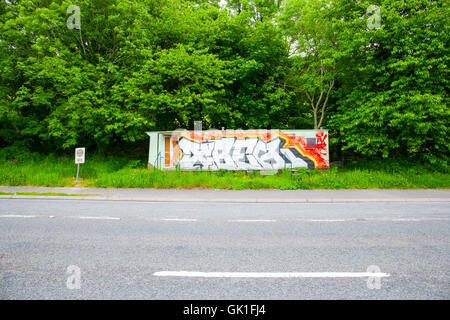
325, 200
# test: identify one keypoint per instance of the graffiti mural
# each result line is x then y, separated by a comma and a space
247, 150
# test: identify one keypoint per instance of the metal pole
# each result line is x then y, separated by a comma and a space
78, 171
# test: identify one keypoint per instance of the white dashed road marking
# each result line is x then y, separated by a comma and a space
194, 274
373, 220
16, 216
254, 220
95, 218
176, 219
404, 219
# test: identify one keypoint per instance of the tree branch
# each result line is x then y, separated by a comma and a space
325, 103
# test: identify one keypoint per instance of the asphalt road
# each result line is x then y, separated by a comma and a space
121, 248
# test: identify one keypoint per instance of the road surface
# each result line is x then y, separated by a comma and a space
208, 250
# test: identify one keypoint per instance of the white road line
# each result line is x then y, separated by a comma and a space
420, 219
16, 216
95, 218
176, 219
374, 220
192, 274
252, 220
327, 220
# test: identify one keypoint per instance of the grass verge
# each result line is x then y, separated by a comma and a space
52, 171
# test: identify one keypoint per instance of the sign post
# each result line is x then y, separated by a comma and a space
79, 158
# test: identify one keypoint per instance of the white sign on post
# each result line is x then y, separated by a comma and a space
79, 155
79, 158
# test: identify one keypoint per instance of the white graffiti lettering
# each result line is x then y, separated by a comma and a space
230, 153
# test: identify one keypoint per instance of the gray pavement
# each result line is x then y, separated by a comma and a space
242, 196
120, 246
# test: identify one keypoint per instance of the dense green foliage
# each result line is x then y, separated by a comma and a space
142, 65
393, 100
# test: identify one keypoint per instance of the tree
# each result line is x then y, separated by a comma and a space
313, 34
61, 87
260, 10
393, 98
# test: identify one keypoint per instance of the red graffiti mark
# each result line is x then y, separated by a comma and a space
321, 141
321, 148
317, 153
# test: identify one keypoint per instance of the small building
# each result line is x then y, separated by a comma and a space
238, 149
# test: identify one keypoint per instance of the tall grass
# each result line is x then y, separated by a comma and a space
53, 171
305, 179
